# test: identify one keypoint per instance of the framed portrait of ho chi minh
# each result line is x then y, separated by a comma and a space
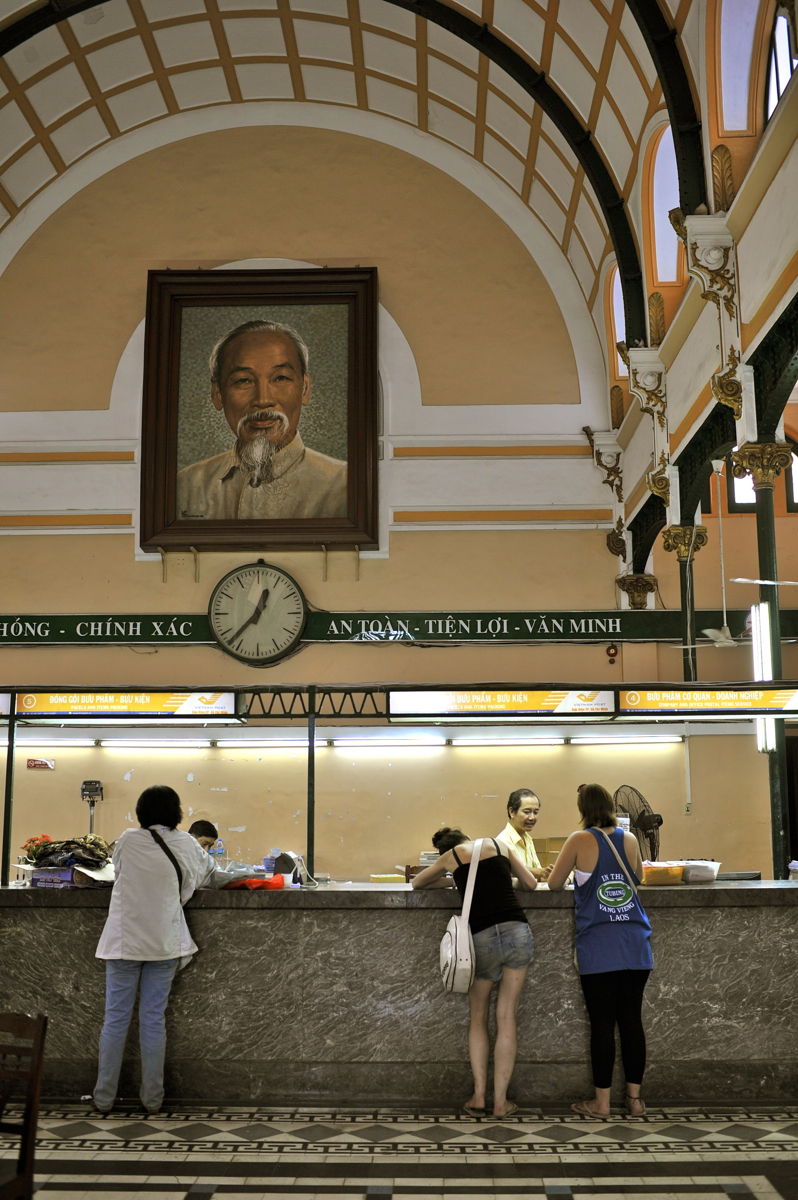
260, 415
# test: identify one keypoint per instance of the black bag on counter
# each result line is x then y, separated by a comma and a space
90, 851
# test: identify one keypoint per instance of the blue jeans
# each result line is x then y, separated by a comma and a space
122, 978
506, 945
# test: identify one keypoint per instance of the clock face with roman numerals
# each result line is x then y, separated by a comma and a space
257, 613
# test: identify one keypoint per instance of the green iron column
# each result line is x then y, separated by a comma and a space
8, 805
686, 540
763, 461
310, 851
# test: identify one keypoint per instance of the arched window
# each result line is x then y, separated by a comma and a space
615, 324
666, 269
782, 60
664, 198
738, 23
618, 322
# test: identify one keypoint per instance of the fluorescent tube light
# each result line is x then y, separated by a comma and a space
264, 743
397, 743
765, 735
161, 744
505, 719
124, 722
639, 739
51, 742
509, 741
760, 639
763, 671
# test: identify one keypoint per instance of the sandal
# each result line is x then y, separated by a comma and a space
583, 1110
472, 1111
511, 1111
630, 1102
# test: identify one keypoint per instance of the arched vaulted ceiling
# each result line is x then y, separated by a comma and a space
554, 99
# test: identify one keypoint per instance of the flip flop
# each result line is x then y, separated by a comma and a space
473, 1112
584, 1111
511, 1111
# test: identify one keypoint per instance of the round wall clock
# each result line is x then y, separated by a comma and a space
257, 613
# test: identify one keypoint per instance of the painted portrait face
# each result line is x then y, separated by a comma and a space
261, 383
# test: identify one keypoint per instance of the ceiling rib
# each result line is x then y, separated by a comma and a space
534, 82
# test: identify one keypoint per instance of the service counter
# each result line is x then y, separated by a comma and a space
333, 996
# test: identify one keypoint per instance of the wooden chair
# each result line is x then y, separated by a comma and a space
21, 1060
411, 872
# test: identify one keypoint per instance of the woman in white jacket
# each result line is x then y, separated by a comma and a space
146, 938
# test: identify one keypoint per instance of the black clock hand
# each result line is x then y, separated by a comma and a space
256, 616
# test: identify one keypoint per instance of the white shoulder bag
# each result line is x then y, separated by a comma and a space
457, 946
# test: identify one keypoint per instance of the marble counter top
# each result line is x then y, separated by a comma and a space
765, 893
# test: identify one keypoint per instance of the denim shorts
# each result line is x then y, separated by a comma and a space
499, 946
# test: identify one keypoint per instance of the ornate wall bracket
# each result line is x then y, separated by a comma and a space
686, 540
648, 385
714, 266
763, 461
616, 542
647, 382
638, 588
608, 457
613, 475
727, 386
659, 481
712, 260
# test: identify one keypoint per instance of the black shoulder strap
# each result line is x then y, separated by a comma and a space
173, 861
498, 848
456, 859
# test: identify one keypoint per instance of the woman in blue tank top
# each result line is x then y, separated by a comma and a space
613, 944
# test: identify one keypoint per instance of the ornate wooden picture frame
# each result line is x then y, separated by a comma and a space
279, 449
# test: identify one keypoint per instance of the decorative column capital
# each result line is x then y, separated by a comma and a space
637, 588
763, 461
686, 540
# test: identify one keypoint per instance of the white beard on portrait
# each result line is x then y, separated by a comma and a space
256, 456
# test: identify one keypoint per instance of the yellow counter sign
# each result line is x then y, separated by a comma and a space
178, 704
725, 700
452, 703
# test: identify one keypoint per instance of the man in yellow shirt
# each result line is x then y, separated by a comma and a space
523, 808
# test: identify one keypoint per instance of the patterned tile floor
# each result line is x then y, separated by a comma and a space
673, 1153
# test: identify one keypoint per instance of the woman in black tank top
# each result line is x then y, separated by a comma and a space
503, 950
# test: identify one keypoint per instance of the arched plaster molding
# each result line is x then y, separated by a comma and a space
549, 419
534, 81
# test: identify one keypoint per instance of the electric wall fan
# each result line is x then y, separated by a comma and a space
644, 823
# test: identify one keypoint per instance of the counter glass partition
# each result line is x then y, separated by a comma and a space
381, 793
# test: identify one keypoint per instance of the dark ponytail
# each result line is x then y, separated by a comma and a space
445, 839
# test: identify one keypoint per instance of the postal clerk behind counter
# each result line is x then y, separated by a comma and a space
523, 809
